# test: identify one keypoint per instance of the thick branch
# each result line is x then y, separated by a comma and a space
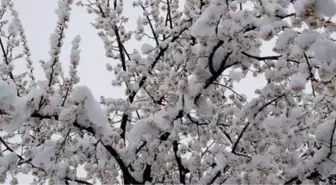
219, 72
182, 170
311, 75
262, 58
77, 181
212, 54
331, 143
128, 178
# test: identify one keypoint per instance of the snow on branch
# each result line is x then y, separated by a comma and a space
183, 119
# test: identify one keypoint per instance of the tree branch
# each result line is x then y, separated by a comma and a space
78, 181
182, 170
128, 178
7, 62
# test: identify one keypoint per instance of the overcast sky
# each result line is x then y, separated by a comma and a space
39, 21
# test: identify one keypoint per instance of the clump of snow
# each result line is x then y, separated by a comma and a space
135, 55
67, 114
266, 32
269, 74
202, 28
265, 161
324, 50
236, 75
158, 123
221, 160
18, 108
324, 131
146, 48
307, 38
8, 162
296, 113
92, 109
298, 82
43, 154
55, 101
275, 9
325, 72
284, 39
274, 125
7, 95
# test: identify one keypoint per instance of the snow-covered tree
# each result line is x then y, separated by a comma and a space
182, 121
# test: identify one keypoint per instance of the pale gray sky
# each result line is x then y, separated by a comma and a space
39, 20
